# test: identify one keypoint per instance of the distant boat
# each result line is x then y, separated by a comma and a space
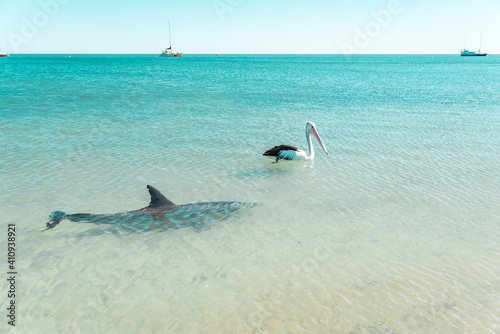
3, 54
467, 52
168, 51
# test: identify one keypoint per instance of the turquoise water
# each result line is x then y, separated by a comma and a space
397, 230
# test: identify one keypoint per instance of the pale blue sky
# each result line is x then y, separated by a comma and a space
249, 26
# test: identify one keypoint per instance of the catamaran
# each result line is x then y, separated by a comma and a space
467, 52
168, 51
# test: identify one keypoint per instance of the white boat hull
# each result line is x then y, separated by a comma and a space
467, 53
170, 54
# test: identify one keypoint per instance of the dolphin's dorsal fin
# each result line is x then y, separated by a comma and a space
157, 198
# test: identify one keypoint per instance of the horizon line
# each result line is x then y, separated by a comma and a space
257, 54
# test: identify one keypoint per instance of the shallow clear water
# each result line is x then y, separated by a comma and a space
397, 230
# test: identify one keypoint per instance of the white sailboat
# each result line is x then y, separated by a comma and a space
3, 54
467, 52
168, 51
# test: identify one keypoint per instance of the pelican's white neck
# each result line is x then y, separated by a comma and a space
310, 148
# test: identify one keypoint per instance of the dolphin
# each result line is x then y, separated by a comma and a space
161, 213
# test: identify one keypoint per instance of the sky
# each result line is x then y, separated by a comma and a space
249, 26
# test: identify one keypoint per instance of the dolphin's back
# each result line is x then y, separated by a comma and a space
216, 208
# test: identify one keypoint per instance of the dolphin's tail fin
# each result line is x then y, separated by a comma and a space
54, 219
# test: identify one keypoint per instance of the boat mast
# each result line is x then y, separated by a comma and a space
465, 46
480, 40
169, 35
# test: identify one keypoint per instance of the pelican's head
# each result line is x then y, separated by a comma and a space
311, 130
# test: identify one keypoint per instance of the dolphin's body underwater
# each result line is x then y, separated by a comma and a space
160, 214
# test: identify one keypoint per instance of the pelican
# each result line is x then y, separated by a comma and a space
287, 152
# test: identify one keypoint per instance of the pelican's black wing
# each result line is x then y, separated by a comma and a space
285, 152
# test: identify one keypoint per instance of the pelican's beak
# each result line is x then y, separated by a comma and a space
318, 138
